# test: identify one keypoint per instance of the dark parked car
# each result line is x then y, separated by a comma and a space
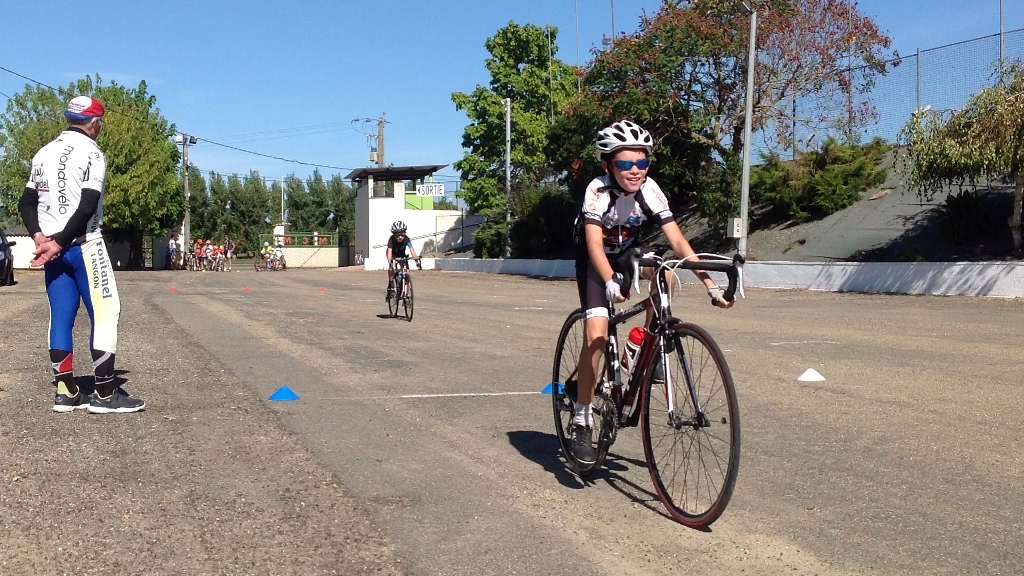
6, 262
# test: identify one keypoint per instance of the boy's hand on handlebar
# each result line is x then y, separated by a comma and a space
718, 298
613, 291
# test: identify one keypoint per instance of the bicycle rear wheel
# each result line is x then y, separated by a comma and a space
693, 457
407, 298
564, 385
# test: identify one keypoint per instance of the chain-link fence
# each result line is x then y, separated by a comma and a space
942, 78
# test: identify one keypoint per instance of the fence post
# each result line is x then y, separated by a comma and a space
918, 79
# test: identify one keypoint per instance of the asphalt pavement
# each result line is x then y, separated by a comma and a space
425, 447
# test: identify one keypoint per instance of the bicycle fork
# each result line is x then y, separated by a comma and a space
677, 422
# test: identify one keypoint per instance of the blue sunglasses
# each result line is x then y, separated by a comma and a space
624, 165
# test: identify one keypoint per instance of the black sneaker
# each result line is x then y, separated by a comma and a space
582, 444
66, 403
118, 401
390, 294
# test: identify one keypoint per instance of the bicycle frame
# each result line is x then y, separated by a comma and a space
400, 266
662, 311
660, 301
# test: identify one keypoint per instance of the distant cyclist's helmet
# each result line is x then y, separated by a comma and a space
265, 244
83, 108
622, 134
398, 227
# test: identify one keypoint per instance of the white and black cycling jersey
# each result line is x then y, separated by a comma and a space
60, 171
621, 215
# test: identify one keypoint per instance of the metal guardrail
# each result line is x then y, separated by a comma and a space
301, 239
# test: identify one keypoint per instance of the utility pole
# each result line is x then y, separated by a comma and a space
508, 176
380, 141
185, 140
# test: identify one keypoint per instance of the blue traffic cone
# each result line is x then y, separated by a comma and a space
550, 387
284, 393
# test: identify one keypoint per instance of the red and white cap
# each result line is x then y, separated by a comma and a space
83, 108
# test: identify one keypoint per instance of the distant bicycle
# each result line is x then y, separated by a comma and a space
403, 294
276, 264
678, 389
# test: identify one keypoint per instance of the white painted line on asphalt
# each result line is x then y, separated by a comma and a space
527, 308
451, 395
804, 342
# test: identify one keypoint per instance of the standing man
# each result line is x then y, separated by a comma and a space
172, 251
62, 207
229, 250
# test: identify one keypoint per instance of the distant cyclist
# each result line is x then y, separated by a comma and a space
279, 255
615, 206
399, 246
268, 254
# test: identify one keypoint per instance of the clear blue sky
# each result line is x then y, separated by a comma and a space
221, 69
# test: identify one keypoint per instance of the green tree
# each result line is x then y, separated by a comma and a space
142, 195
523, 69
682, 75
342, 206
983, 141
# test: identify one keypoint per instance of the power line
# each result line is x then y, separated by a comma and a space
291, 132
207, 140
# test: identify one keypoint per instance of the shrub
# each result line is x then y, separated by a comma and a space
544, 223
963, 218
820, 182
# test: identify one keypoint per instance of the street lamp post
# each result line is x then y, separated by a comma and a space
747, 128
508, 176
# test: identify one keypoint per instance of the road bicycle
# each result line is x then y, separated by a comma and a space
402, 294
687, 411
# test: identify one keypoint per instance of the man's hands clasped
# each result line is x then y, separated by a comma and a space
46, 250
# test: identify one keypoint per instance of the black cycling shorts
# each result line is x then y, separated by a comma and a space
591, 287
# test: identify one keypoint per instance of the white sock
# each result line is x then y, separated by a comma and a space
583, 416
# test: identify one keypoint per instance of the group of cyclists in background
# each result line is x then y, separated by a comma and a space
204, 255
201, 256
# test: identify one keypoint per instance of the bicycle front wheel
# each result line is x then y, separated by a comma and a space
407, 300
393, 301
692, 449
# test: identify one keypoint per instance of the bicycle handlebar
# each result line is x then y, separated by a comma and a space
733, 269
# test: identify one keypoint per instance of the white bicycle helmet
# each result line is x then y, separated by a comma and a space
622, 134
265, 244
398, 227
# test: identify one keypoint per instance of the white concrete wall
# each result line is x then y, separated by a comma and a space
993, 279
431, 231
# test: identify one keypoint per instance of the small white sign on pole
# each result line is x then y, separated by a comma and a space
430, 189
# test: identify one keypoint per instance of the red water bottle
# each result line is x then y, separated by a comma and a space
629, 356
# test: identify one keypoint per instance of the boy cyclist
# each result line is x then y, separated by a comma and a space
399, 246
614, 208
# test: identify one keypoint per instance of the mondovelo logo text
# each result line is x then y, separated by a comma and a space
62, 181
101, 273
